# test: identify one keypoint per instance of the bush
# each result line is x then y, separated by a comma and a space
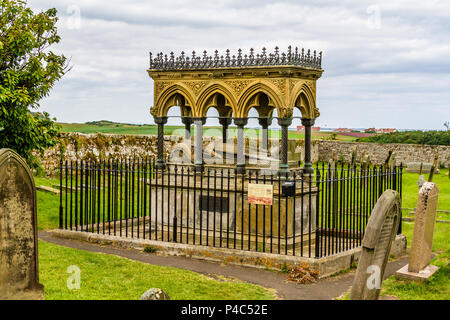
412, 137
150, 249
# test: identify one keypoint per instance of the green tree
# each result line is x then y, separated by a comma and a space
28, 71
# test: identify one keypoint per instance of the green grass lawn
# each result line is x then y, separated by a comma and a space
108, 277
410, 190
47, 205
438, 288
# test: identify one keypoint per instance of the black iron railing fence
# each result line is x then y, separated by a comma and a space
310, 215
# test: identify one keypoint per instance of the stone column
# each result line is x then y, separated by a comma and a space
240, 165
308, 123
265, 123
284, 123
160, 162
198, 147
187, 121
225, 122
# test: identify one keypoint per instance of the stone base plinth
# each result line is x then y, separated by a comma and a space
421, 276
31, 294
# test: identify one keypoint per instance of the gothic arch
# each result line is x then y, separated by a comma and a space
169, 98
304, 100
209, 96
250, 99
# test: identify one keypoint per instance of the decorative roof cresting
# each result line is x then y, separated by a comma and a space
293, 57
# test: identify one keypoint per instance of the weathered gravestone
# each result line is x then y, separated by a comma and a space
419, 167
19, 277
380, 232
419, 267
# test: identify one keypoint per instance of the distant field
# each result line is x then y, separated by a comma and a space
108, 127
436, 138
133, 129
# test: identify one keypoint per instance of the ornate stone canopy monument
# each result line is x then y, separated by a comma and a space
233, 84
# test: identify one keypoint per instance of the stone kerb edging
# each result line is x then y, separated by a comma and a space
325, 266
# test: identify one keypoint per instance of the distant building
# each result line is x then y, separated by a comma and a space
342, 130
386, 130
382, 130
302, 128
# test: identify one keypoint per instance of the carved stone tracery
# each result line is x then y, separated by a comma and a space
196, 86
160, 86
238, 85
280, 84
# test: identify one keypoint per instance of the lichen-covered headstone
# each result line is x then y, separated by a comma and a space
419, 267
424, 227
420, 167
155, 294
19, 278
376, 246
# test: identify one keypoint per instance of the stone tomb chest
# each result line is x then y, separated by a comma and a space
208, 204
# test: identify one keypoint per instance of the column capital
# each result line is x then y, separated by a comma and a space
225, 121
265, 122
240, 122
308, 122
203, 119
284, 122
160, 120
186, 120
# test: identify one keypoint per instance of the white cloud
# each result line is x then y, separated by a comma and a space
369, 73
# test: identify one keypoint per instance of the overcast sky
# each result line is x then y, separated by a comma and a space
387, 63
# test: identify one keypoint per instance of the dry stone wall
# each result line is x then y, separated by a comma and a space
76, 146
378, 152
101, 146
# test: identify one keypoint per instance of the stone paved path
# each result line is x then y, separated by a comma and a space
324, 289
